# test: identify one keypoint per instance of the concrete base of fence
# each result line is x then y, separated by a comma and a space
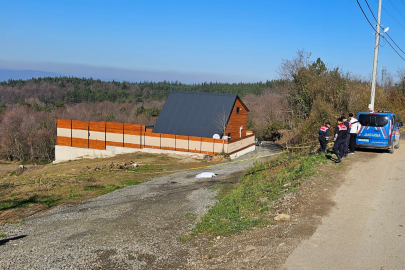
242, 152
66, 153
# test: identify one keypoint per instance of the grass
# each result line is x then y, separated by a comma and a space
130, 182
247, 204
92, 187
24, 202
110, 188
2, 234
71, 196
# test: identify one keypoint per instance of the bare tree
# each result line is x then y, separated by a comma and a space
221, 121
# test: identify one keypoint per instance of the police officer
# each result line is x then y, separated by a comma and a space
323, 137
355, 128
340, 139
348, 126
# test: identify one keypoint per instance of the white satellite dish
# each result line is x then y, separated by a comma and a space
386, 29
216, 136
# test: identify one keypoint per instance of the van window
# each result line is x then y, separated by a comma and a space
373, 120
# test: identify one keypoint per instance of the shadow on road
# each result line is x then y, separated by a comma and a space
5, 241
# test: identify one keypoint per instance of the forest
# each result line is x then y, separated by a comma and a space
293, 106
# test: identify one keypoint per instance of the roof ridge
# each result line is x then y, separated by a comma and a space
202, 93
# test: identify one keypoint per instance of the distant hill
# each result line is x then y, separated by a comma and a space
6, 74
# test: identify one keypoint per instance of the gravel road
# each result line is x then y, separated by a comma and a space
133, 228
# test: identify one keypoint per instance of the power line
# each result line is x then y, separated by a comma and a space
396, 8
383, 28
393, 48
392, 16
395, 43
365, 15
375, 30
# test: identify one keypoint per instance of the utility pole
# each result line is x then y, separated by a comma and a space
377, 44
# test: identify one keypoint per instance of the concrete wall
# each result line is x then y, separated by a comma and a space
66, 153
242, 152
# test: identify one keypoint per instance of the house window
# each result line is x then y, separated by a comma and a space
237, 110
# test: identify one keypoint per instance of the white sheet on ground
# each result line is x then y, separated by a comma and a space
205, 175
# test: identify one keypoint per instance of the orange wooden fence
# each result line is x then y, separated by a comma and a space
99, 135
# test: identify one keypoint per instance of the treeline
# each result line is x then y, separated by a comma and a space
70, 90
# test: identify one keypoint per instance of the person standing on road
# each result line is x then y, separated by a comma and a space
354, 130
323, 137
348, 126
340, 139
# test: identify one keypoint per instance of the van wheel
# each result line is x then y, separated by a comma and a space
391, 149
397, 146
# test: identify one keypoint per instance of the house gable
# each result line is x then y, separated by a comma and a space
237, 122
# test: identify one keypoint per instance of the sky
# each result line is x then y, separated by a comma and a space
194, 41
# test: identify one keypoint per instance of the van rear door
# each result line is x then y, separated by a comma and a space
375, 129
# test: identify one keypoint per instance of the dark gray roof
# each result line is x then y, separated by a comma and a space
193, 113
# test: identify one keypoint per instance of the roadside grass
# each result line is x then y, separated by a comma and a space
247, 205
49, 201
130, 183
70, 182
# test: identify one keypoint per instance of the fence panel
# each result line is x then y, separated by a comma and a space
194, 144
219, 146
182, 143
97, 135
80, 134
152, 140
167, 142
133, 135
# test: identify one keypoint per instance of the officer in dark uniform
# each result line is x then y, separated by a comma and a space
323, 137
340, 140
348, 126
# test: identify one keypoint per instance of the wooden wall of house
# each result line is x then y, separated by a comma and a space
237, 120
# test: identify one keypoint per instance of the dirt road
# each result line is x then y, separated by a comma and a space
366, 227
